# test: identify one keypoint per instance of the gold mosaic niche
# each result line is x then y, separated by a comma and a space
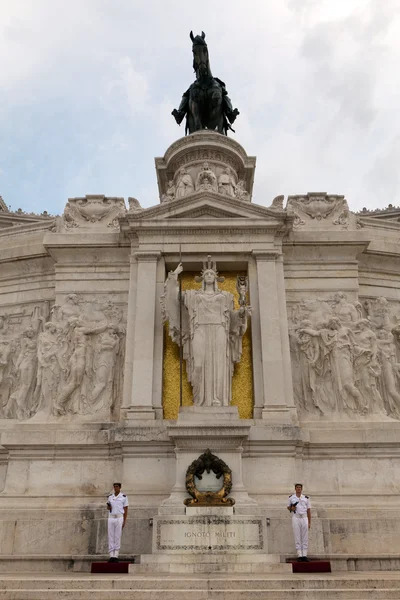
242, 383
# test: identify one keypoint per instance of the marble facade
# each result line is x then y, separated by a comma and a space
82, 353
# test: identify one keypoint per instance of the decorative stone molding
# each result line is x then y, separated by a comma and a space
206, 180
232, 171
92, 213
266, 255
134, 204
277, 203
147, 256
317, 210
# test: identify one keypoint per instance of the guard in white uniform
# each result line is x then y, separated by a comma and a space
117, 505
300, 507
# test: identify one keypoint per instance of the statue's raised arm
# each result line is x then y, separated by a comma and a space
206, 104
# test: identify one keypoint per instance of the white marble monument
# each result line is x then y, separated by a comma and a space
306, 389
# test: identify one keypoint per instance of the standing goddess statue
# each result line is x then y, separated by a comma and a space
212, 332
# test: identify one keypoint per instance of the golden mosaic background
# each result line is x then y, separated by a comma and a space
242, 383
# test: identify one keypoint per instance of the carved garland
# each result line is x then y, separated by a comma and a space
209, 462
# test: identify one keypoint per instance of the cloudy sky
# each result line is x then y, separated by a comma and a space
87, 88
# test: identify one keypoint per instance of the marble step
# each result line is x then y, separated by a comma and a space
209, 558
335, 586
194, 594
209, 567
329, 581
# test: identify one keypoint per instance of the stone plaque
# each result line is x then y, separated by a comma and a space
204, 534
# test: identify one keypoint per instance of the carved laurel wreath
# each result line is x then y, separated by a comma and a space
209, 462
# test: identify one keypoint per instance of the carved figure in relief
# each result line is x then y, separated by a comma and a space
396, 338
65, 360
206, 180
240, 191
366, 368
5, 354
378, 312
77, 362
355, 372
105, 353
49, 368
390, 371
226, 183
4, 323
7, 349
19, 405
170, 193
317, 311
308, 358
345, 311
185, 185
337, 342
69, 309
212, 334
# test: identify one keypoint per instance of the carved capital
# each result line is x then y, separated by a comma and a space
266, 255
150, 256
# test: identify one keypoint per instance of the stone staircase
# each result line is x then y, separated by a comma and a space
335, 586
156, 564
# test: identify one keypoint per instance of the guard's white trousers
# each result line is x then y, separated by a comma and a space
114, 534
300, 531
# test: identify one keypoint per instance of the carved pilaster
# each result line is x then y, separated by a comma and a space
143, 335
273, 367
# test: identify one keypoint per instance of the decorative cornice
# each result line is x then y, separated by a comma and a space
171, 208
221, 229
205, 137
23, 228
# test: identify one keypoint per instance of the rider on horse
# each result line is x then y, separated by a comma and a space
205, 104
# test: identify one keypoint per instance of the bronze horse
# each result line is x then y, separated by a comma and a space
205, 104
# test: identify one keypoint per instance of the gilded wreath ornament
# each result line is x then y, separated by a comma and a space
209, 462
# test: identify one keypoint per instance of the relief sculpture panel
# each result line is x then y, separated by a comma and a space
62, 362
345, 359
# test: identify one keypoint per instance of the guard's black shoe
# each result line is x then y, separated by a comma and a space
305, 559
300, 559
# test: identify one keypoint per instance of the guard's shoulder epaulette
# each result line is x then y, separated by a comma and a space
124, 495
290, 495
307, 497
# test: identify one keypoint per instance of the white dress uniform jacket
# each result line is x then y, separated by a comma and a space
300, 522
115, 522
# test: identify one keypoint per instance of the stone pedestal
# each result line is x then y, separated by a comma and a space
209, 540
220, 430
197, 539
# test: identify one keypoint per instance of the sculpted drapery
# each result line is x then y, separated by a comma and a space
212, 332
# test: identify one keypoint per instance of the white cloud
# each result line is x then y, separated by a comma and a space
87, 89
131, 85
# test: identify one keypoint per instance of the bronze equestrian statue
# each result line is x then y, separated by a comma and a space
205, 104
